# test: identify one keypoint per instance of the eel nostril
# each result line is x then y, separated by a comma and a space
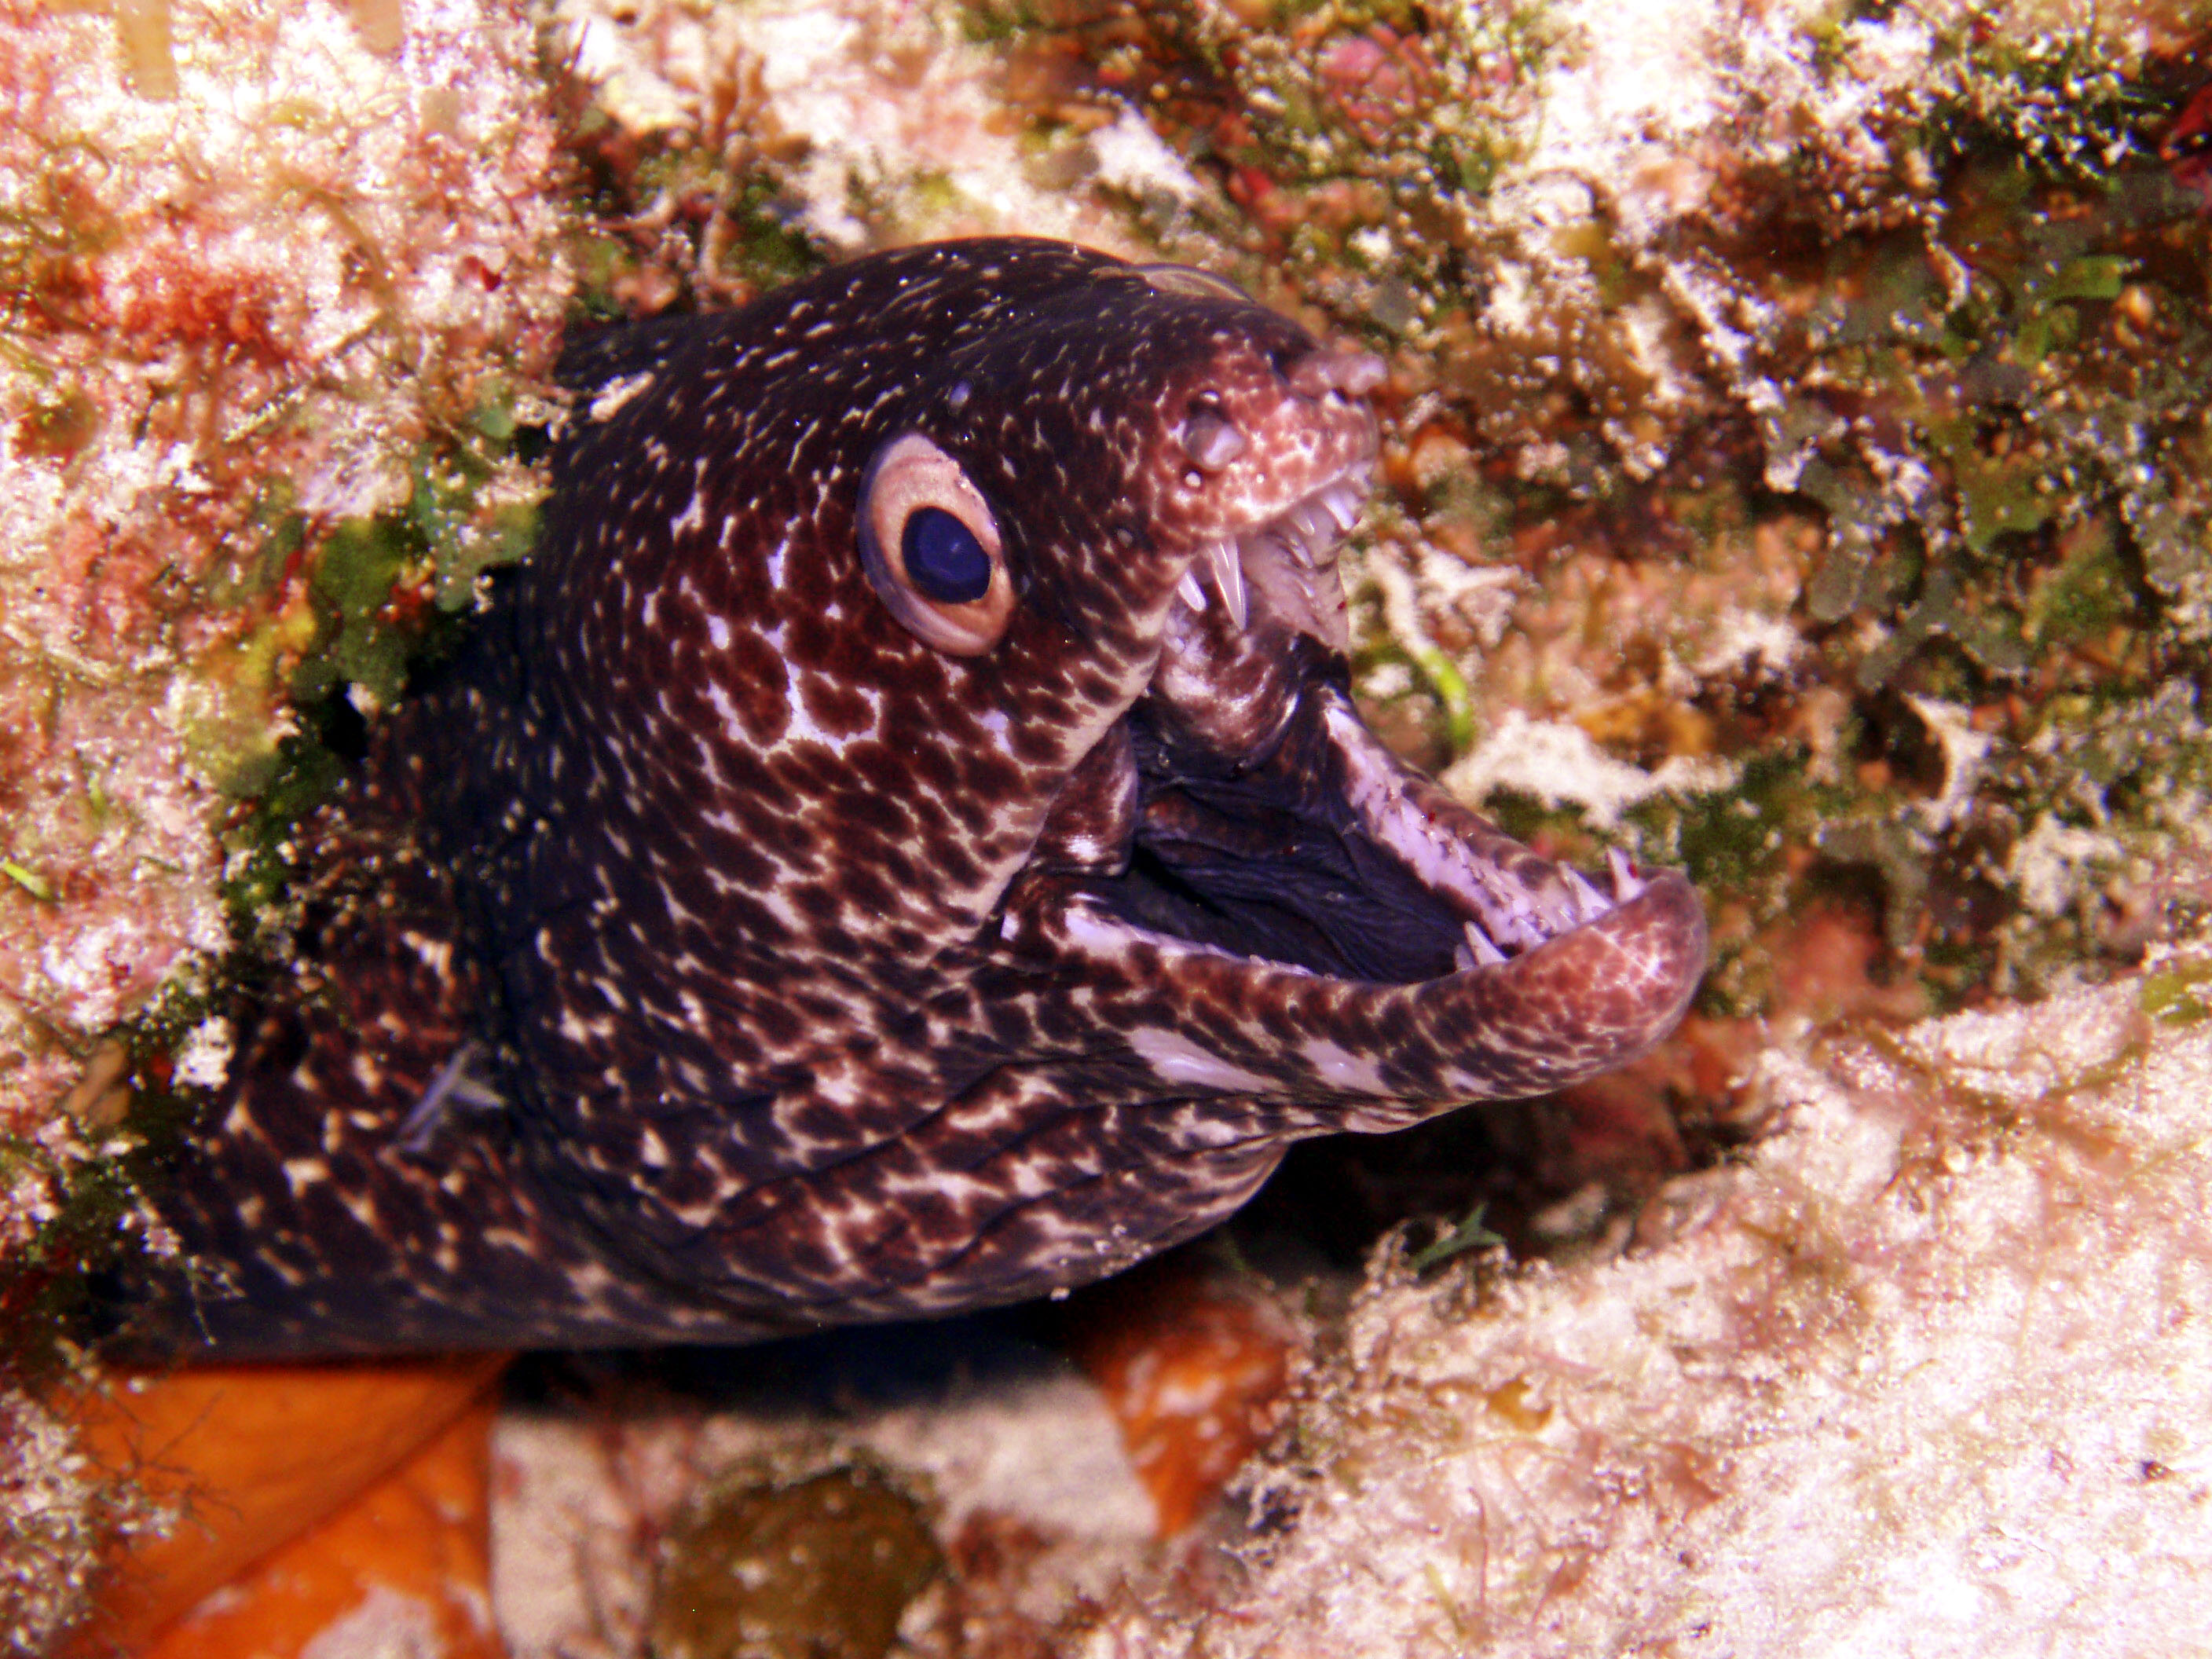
1210, 438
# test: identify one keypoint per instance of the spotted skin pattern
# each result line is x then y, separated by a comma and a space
709, 957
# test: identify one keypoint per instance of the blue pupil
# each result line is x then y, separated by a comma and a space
943, 560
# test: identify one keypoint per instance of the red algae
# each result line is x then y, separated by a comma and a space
274, 279
241, 314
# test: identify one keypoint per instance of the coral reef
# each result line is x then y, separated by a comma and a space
765, 1565
59, 1518
1821, 396
1924, 1372
401, 1567
276, 278
1799, 428
607, 1484
241, 1458
729, 148
1193, 1363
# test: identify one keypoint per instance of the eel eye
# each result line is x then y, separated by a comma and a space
932, 548
943, 560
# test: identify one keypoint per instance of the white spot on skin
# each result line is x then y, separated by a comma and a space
1342, 1068
801, 728
435, 954
1176, 1059
362, 1206
301, 1173
580, 1030
695, 513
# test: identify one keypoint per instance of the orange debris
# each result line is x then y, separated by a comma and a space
257, 1454
1194, 1368
404, 1568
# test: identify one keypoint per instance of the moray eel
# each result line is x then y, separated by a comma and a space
903, 843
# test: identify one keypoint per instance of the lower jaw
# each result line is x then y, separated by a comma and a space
1264, 858
1327, 883
1323, 853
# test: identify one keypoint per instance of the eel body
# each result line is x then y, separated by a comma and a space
903, 843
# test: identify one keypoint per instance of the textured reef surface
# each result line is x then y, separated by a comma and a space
1795, 444
276, 278
1920, 1373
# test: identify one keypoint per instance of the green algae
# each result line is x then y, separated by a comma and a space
2179, 995
679, 219
29, 879
1996, 405
765, 1565
1342, 132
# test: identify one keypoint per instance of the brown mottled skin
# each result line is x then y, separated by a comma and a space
711, 956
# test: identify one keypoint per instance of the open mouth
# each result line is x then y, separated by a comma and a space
1328, 855
1313, 848
1264, 903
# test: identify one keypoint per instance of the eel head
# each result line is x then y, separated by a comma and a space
1040, 882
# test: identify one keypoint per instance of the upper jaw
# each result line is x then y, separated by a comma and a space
1266, 481
1284, 566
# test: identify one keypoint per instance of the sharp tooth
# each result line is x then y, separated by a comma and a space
1342, 503
1626, 884
1193, 594
1229, 577
1592, 902
1560, 912
1478, 946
